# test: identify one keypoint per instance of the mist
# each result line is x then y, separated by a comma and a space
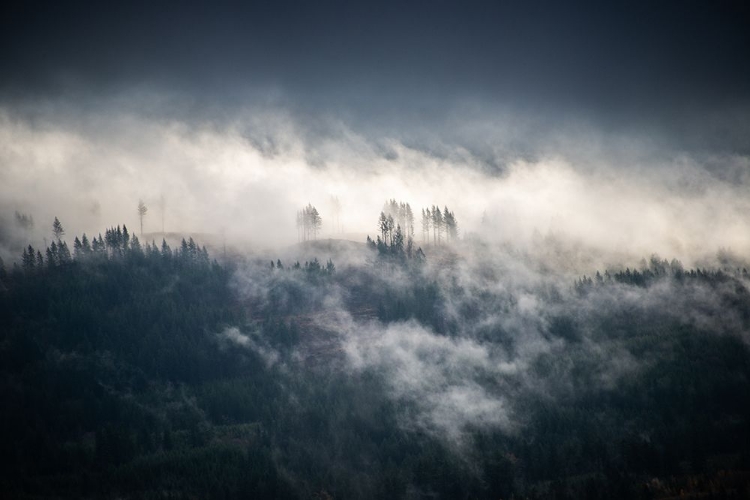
242, 178
409, 250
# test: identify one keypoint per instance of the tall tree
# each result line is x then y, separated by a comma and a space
439, 222
28, 259
85, 245
316, 222
52, 257
310, 221
451, 225
409, 222
383, 225
57, 229
426, 223
397, 241
142, 209
77, 248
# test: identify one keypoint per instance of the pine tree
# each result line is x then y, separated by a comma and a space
142, 209
426, 224
397, 243
77, 248
409, 222
135, 246
63, 254
316, 221
85, 245
57, 229
165, 250
383, 225
52, 255
439, 222
310, 222
451, 225
28, 259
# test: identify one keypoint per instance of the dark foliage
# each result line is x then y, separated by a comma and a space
118, 380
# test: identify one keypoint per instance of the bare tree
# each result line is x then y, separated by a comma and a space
142, 209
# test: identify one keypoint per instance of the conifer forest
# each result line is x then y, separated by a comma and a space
374, 250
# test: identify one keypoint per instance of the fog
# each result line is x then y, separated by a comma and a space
532, 219
241, 177
584, 333
508, 328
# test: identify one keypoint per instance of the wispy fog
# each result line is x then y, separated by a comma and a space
242, 176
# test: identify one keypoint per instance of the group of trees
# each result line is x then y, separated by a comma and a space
396, 221
443, 225
32, 260
24, 221
57, 252
312, 267
395, 246
396, 226
118, 379
656, 270
309, 222
397, 213
116, 242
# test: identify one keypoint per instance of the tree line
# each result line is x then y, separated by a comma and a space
654, 271
116, 242
444, 225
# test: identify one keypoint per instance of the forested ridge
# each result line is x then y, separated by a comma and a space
141, 371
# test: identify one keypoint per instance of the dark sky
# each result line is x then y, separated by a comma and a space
681, 69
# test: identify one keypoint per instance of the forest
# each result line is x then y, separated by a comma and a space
461, 370
333, 250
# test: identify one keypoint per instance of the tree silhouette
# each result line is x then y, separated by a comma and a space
28, 259
451, 225
57, 229
24, 221
426, 225
383, 225
309, 223
142, 209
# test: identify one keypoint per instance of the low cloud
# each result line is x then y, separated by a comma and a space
242, 179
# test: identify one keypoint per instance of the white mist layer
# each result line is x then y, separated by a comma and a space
218, 180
